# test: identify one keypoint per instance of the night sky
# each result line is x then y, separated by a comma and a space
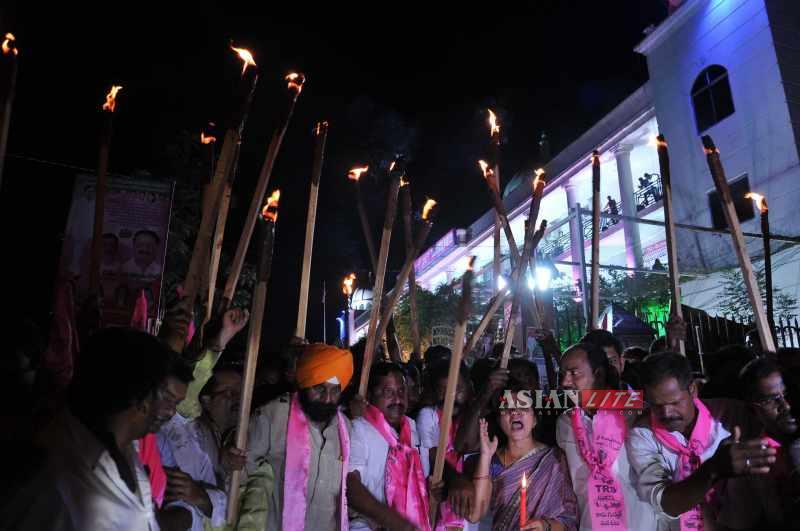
387, 77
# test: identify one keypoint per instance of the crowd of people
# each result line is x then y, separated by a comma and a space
144, 438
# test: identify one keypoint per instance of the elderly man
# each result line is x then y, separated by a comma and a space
687, 453
594, 443
386, 485
305, 438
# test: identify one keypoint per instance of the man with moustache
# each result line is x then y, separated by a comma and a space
594, 442
777, 493
386, 485
305, 438
688, 453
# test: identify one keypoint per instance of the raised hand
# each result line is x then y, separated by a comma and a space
488, 446
753, 456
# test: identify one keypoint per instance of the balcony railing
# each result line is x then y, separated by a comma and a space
649, 191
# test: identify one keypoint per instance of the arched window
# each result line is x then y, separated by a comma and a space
711, 97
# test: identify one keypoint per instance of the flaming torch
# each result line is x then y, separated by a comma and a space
728, 208
213, 202
408, 266
294, 83
462, 315
320, 135
595, 312
100, 189
500, 209
669, 225
494, 155
405, 205
8, 87
355, 176
348, 286
266, 239
377, 289
761, 203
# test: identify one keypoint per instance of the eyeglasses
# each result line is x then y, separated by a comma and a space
772, 401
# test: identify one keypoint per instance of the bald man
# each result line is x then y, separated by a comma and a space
306, 439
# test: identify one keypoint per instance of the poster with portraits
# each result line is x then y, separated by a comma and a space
135, 229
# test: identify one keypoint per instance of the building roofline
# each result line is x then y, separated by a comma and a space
668, 26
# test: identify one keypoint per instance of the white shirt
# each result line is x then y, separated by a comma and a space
640, 515
80, 488
179, 446
132, 268
368, 454
428, 430
655, 466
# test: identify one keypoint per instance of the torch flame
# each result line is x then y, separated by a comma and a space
355, 173
318, 128
111, 98
760, 200
270, 210
426, 210
524, 482
538, 178
392, 165
207, 139
595, 157
403, 182
487, 171
471, 262
347, 284
8, 44
494, 127
295, 81
245, 56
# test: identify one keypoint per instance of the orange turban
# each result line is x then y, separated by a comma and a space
320, 363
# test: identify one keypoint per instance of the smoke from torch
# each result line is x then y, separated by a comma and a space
760, 200
245, 56
111, 98
355, 173
9, 46
270, 210
426, 210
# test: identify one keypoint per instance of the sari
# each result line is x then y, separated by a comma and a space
549, 493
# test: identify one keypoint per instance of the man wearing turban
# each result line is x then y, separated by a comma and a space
306, 440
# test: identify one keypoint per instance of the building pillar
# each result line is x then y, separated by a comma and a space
633, 243
575, 237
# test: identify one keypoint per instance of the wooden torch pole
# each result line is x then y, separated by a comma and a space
405, 205
595, 308
8, 79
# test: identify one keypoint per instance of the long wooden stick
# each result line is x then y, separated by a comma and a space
494, 160
223, 168
494, 305
251, 360
595, 308
8, 58
377, 289
320, 136
728, 208
462, 315
402, 277
216, 246
366, 229
294, 87
500, 209
669, 226
405, 205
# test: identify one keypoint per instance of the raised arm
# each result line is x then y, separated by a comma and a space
481, 476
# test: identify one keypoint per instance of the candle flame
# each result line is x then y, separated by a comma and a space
207, 139
494, 127
111, 98
295, 81
487, 171
245, 56
426, 210
355, 173
9, 46
524, 482
347, 284
760, 200
270, 210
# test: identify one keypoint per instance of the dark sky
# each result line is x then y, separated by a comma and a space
388, 77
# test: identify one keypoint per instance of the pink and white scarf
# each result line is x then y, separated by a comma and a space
606, 499
689, 457
298, 457
447, 518
404, 481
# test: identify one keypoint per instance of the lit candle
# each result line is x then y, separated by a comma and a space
523, 502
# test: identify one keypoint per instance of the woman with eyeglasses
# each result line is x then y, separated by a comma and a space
506, 457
